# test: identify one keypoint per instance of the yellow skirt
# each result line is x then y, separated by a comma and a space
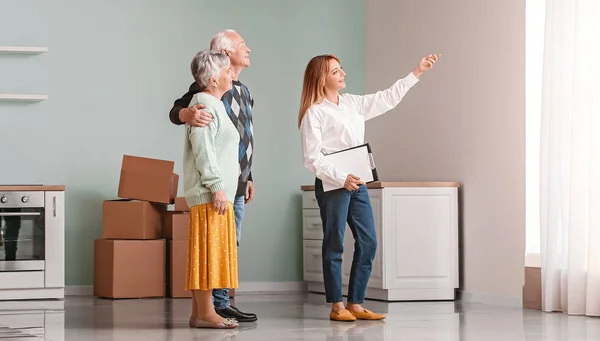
212, 249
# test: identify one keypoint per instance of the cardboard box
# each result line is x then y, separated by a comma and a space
129, 268
532, 290
177, 268
127, 219
148, 180
176, 225
181, 205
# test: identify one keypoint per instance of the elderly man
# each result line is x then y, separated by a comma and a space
238, 103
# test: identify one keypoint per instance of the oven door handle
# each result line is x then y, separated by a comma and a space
18, 214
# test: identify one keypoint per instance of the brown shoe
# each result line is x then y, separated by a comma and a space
366, 315
342, 316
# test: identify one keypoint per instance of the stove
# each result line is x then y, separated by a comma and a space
31, 242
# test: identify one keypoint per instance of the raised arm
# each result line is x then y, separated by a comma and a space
373, 105
310, 132
379, 103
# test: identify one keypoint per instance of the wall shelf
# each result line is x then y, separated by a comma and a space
23, 97
23, 49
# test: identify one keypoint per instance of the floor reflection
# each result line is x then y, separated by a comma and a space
285, 317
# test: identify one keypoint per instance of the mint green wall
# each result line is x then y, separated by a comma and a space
112, 71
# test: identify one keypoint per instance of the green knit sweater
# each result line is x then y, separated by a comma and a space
210, 154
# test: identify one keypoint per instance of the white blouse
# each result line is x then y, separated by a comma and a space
328, 127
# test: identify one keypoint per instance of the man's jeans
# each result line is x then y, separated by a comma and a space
337, 208
221, 296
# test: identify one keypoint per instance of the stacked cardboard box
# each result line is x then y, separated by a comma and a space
129, 260
142, 242
176, 226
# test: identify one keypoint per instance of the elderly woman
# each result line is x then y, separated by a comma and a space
210, 173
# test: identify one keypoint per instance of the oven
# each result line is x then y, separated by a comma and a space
31, 244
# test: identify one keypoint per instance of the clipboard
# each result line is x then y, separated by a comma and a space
356, 160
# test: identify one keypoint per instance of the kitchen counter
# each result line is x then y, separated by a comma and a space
32, 188
416, 224
390, 184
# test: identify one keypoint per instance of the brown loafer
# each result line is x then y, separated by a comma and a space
342, 316
366, 315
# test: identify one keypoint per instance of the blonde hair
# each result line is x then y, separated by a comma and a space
313, 88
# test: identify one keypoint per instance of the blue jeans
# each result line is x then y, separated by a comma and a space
354, 207
221, 296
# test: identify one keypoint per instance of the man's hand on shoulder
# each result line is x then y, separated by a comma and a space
195, 116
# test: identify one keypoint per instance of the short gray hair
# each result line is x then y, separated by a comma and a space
221, 41
206, 65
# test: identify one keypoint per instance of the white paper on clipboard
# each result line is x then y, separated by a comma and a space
357, 160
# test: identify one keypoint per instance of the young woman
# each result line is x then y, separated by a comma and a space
210, 173
329, 122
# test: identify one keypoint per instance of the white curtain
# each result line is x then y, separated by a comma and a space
570, 158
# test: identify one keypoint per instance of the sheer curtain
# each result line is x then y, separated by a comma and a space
570, 158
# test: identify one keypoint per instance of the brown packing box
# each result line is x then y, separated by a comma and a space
176, 225
181, 205
129, 268
177, 267
532, 290
148, 179
127, 219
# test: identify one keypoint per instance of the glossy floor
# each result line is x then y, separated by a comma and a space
285, 317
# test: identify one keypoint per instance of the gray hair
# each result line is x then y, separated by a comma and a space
206, 65
221, 41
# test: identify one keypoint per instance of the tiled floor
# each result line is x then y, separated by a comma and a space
289, 317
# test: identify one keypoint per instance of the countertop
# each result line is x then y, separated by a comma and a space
6, 188
387, 184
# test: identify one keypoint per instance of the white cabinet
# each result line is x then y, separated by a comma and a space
417, 236
55, 239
